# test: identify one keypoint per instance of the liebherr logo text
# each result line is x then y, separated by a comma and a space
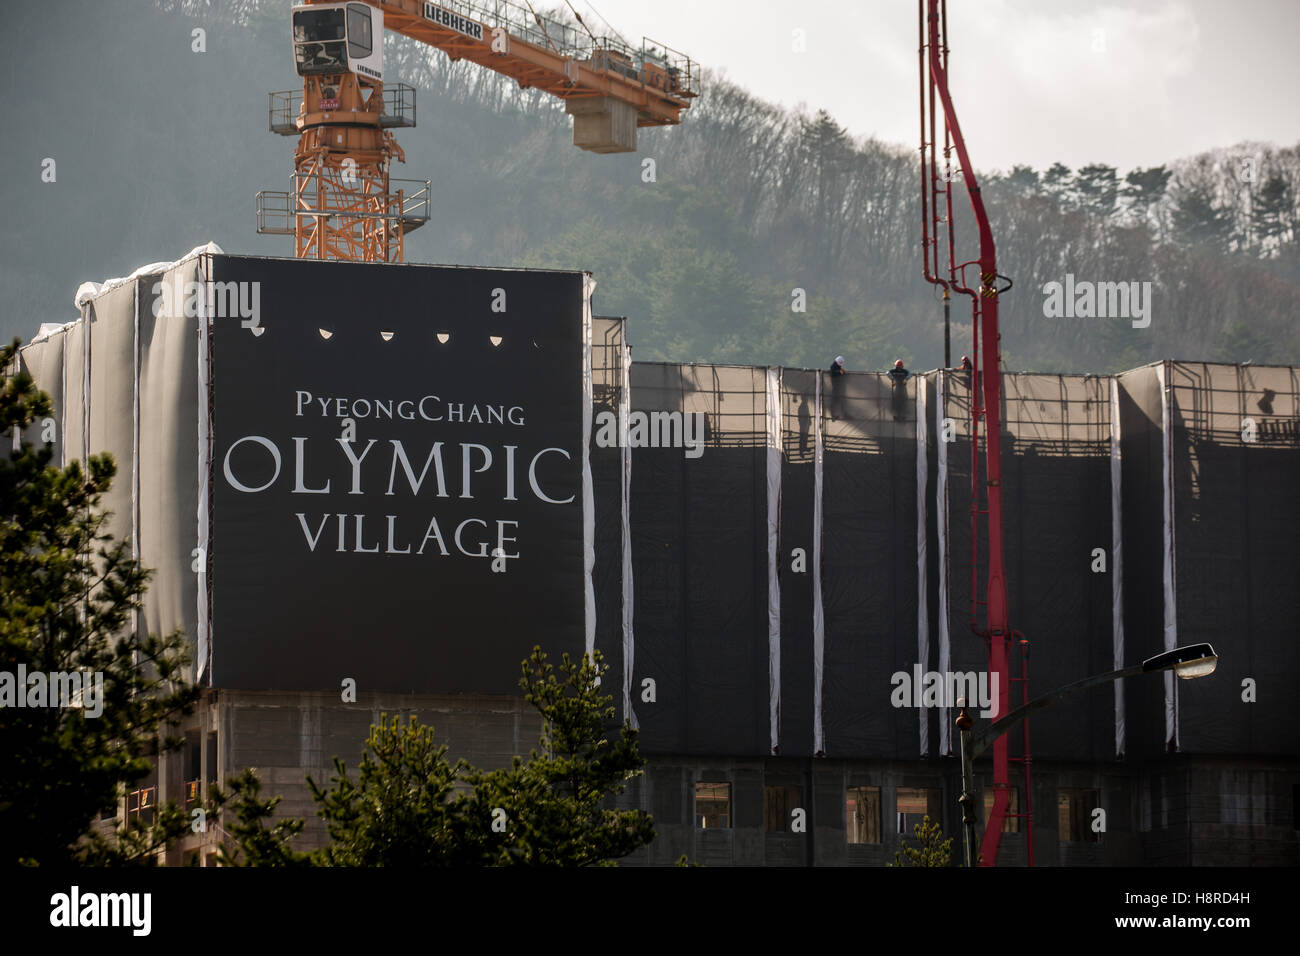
453, 21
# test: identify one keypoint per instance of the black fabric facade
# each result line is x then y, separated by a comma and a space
1058, 547
659, 534
1236, 455
700, 559
318, 578
934, 387
795, 559
869, 562
608, 389
1142, 448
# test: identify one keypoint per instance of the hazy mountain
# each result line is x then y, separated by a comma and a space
160, 148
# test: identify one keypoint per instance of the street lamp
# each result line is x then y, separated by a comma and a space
1194, 660
1188, 662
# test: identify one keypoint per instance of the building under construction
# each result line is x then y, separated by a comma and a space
369, 488
406, 476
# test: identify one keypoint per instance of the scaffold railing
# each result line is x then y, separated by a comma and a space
286, 108
653, 64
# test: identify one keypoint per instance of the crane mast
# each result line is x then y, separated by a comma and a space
343, 202
985, 393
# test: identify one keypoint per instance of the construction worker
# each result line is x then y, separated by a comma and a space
837, 388
899, 376
968, 372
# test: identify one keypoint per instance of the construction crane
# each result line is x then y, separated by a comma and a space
989, 617
343, 203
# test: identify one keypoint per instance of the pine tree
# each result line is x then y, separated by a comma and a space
1273, 213
409, 806
251, 842
1023, 179
1098, 188
1198, 219
1144, 188
1058, 181
932, 851
555, 804
402, 810
827, 151
68, 591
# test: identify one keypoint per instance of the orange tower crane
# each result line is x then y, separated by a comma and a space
343, 203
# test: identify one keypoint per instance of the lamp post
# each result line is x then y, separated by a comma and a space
1189, 662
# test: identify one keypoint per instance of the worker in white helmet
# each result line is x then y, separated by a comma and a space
837, 388
899, 375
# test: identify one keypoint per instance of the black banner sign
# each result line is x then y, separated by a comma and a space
396, 475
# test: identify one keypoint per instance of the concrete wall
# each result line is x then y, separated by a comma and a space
1221, 812
1176, 812
288, 736
668, 788
1172, 811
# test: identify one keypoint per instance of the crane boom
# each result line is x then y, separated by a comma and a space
590, 67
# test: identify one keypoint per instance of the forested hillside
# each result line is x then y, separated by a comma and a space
161, 148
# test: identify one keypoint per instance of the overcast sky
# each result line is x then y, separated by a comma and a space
1169, 78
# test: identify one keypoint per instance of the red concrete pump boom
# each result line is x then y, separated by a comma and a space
985, 406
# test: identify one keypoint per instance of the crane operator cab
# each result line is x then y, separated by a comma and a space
339, 38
